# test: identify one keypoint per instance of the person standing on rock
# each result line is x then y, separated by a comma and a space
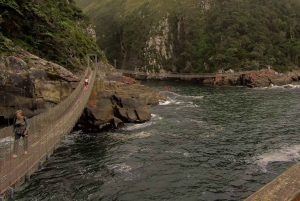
86, 82
20, 129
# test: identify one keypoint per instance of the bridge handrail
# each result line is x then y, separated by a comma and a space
51, 113
45, 132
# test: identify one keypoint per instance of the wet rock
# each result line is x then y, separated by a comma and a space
118, 102
143, 114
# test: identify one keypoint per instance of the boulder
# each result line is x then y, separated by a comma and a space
143, 114
265, 78
131, 115
117, 102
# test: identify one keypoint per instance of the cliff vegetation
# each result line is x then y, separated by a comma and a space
194, 36
57, 31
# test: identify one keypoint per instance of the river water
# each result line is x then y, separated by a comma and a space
203, 143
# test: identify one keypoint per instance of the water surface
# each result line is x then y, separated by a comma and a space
203, 143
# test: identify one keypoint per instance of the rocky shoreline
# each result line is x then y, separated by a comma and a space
34, 85
251, 79
115, 101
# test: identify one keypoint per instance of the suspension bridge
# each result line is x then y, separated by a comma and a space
48, 129
182, 76
45, 134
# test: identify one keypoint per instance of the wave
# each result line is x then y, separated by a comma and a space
142, 134
183, 96
156, 117
287, 154
195, 97
170, 102
289, 86
139, 126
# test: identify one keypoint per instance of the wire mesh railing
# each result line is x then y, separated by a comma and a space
46, 131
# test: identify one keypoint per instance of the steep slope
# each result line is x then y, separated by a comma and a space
198, 36
43, 46
54, 30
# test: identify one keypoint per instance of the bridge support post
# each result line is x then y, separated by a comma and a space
27, 177
40, 165
9, 193
47, 157
96, 59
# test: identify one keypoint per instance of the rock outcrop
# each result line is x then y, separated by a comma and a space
117, 101
32, 84
264, 79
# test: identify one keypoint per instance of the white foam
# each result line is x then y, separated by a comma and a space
139, 126
283, 155
170, 102
119, 168
289, 86
142, 134
165, 103
156, 117
195, 97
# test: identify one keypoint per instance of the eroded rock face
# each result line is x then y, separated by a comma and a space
33, 86
116, 103
263, 78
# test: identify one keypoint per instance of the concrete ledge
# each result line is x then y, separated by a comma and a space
286, 187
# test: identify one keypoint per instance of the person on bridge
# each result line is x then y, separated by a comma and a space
86, 82
20, 129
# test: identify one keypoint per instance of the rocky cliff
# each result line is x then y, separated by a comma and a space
32, 84
195, 36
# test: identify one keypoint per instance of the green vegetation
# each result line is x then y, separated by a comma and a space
51, 29
204, 36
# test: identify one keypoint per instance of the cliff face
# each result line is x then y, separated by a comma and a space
198, 36
43, 46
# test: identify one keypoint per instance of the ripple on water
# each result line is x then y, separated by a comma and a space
286, 154
221, 147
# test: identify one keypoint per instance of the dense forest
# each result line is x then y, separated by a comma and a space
53, 30
198, 35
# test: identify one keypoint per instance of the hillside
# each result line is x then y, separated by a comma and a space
198, 36
57, 31
43, 48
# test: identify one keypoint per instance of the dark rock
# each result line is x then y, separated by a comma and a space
131, 115
121, 113
115, 103
130, 102
143, 114
118, 123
